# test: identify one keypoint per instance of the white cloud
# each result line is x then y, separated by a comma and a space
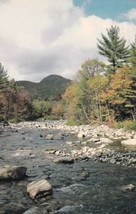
131, 14
39, 37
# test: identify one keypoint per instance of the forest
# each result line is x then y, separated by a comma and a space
100, 92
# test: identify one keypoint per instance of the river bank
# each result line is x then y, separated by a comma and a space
98, 143
88, 168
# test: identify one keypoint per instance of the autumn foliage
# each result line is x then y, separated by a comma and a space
14, 101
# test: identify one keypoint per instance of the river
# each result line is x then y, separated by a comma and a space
83, 187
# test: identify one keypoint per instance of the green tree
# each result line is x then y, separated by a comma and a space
114, 48
3, 88
89, 69
97, 84
80, 96
71, 97
132, 75
42, 108
133, 54
3, 77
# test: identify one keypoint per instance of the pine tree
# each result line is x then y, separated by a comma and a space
3, 77
114, 48
133, 54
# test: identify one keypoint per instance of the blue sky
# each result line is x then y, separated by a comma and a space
106, 8
43, 37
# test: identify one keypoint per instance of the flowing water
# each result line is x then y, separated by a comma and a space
85, 187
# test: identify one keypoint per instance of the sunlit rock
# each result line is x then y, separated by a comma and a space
37, 189
105, 140
128, 187
82, 134
49, 137
129, 142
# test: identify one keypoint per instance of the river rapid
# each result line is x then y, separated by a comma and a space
95, 185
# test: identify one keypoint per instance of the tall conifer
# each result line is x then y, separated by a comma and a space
114, 48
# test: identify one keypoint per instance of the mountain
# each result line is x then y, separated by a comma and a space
52, 86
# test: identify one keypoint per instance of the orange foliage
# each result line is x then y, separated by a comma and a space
57, 109
120, 83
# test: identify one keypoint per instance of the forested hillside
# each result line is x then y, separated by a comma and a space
51, 87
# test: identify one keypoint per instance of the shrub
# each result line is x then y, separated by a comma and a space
126, 124
129, 125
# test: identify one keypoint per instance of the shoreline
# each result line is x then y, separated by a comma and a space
97, 143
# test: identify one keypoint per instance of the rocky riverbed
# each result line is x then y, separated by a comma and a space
61, 169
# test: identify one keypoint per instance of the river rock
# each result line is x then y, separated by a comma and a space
129, 142
50, 151
128, 187
112, 160
65, 160
49, 137
95, 140
33, 210
82, 134
41, 188
105, 140
12, 172
22, 152
66, 209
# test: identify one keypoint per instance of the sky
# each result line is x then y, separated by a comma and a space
43, 37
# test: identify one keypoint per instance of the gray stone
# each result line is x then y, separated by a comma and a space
82, 135
50, 151
113, 161
105, 140
41, 188
129, 142
33, 210
65, 160
69, 143
57, 153
22, 152
66, 209
12, 172
49, 137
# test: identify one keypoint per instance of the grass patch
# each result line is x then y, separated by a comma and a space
75, 123
127, 124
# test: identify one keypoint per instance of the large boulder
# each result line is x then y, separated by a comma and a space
37, 189
9, 172
129, 142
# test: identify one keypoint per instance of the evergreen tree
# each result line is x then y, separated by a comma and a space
3, 77
133, 54
114, 48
